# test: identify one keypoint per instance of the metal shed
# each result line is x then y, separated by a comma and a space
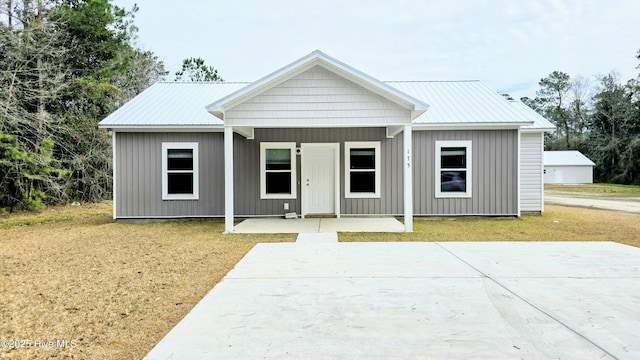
567, 167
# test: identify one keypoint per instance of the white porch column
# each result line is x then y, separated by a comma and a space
408, 178
228, 179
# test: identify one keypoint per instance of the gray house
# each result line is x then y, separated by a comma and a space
320, 137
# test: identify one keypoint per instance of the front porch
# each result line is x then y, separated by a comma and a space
307, 225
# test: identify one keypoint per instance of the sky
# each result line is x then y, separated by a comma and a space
508, 44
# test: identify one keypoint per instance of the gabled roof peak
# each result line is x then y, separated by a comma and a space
318, 58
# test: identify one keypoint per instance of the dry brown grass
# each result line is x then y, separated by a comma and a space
72, 273
116, 289
558, 223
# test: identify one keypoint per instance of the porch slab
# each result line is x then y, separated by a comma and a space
296, 226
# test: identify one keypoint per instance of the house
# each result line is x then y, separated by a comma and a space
321, 137
567, 167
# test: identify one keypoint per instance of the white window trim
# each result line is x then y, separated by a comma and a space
263, 166
196, 165
347, 169
454, 143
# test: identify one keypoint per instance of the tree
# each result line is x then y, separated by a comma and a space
552, 97
64, 65
194, 69
612, 131
144, 70
578, 109
29, 76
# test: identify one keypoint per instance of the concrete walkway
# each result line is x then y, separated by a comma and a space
294, 226
496, 300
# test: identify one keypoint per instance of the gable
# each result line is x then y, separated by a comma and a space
317, 97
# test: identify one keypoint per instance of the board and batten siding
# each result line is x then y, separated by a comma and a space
139, 176
247, 200
494, 173
531, 157
317, 97
139, 173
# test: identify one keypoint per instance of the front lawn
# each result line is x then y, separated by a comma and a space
72, 273
558, 223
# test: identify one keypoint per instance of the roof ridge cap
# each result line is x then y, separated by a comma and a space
432, 81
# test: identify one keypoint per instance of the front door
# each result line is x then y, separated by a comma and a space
319, 178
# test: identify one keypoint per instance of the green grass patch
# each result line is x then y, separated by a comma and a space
603, 189
56, 214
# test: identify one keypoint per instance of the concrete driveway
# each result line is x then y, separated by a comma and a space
416, 300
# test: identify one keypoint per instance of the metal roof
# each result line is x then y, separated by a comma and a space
172, 104
460, 102
539, 122
566, 158
464, 103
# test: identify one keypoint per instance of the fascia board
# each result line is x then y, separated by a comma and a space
163, 128
470, 126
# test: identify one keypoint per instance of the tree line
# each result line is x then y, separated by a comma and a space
64, 66
600, 118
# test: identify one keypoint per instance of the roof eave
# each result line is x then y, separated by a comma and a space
161, 128
477, 125
539, 129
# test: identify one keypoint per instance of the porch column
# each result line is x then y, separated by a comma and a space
408, 178
228, 179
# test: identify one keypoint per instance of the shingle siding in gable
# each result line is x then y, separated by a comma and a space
317, 97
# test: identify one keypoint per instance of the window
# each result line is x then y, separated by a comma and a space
180, 171
277, 171
453, 169
362, 169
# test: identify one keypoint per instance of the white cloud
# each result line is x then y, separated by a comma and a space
508, 44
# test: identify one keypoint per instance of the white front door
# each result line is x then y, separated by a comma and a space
320, 178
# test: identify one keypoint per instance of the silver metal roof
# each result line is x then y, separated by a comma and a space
172, 104
460, 102
167, 104
539, 122
566, 158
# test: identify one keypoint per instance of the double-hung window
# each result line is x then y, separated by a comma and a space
278, 170
362, 169
180, 171
453, 168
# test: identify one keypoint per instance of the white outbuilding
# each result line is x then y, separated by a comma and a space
567, 167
